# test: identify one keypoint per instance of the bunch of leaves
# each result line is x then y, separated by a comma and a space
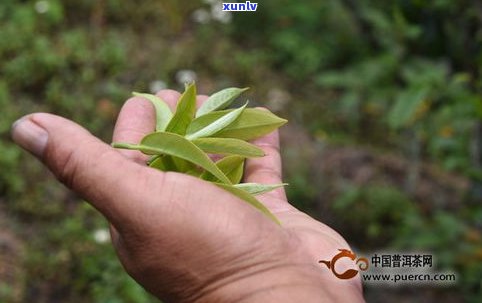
186, 141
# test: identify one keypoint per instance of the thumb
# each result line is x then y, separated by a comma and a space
93, 169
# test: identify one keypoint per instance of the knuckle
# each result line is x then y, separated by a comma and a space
129, 132
269, 173
64, 164
70, 164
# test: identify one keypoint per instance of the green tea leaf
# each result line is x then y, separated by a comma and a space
257, 188
231, 166
220, 100
195, 172
160, 163
218, 124
251, 124
151, 158
163, 112
250, 199
228, 146
182, 165
171, 163
177, 146
185, 111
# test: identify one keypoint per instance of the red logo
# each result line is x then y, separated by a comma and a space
350, 273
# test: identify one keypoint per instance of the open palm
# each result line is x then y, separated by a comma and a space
184, 239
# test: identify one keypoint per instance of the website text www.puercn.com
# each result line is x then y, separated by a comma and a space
401, 278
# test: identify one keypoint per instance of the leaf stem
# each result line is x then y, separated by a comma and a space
125, 145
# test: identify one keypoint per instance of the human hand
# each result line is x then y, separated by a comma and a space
182, 238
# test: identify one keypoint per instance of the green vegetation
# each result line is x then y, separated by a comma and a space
383, 97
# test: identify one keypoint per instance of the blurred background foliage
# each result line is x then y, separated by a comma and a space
384, 143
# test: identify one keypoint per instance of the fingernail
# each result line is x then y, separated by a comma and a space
29, 136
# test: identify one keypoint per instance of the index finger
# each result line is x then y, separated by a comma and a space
137, 118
